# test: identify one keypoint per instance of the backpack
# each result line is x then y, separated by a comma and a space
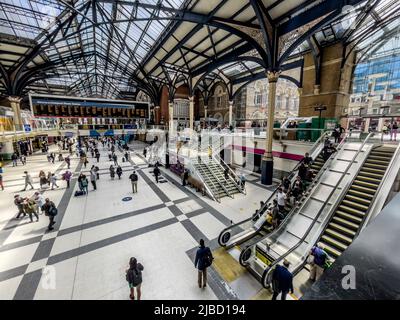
208, 259
134, 277
53, 211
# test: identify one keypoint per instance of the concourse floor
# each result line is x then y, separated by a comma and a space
87, 253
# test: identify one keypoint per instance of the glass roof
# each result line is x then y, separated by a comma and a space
97, 47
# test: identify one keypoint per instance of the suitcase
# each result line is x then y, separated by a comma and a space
79, 193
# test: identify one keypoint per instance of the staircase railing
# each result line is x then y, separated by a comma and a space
193, 169
219, 182
225, 234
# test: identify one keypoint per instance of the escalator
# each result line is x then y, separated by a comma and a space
293, 239
350, 213
248, 230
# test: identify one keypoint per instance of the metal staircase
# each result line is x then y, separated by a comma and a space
212, 174
350, 213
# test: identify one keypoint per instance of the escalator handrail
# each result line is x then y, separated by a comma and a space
264, 207
315, 180
282, 257
367, 215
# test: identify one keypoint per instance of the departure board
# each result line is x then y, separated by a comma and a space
88, 108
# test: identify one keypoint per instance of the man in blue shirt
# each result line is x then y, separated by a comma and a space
282, 281
318, 265
202, 261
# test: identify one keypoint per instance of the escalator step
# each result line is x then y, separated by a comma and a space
380, 162
349, 217
335, 243
358, 199
363, 189
351, 210
374, 170
375, 166
342, 229
366, 184
346, 223
379, 157
355, 205
368, 179
359, 194
370, 174
339, 236
331, 250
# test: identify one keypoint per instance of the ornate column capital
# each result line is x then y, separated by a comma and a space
191, 98
273, 75
14, 99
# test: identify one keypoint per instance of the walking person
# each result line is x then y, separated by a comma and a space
112, 172
393, 131
145, 152
23, 159
134, 179
42, 179
93, 178
282, 280
317, 259
98, 156
226, 174
156, 172
115, 158
28, 180
83, 183
53, 181
68, 161
40, 201
30, 209
14, 159
119, 172
51, 211
67, 177
134, 278
202, 261
19, 202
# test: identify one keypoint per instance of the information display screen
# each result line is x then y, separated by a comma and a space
93, 108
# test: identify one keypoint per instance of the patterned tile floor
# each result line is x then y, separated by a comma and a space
86, 254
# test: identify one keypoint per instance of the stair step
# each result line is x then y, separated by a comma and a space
333, 242
359, 194
339, 236
331, 250
376, 171
375, 166
379, 157
366, 184
348, 216
363, 189
351, 210
358, 199
342, 229
368, 179
355, 205
370, 174
346, 223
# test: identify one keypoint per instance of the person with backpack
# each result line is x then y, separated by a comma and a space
318, 259
119, 172
83, 183
134, 278
134, 179
68, 161
202, 261
51, 211
282, 280
156, 172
